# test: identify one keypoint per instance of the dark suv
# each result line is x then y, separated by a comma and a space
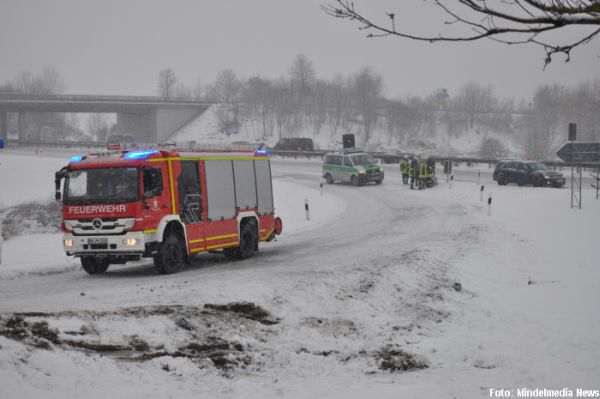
527, 173
295, 144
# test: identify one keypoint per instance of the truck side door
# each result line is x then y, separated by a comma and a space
190, 205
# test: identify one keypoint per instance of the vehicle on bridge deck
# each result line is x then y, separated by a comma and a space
295, 144
120, 142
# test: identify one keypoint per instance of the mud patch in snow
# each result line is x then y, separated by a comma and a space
247, 310
224, 336
393, 359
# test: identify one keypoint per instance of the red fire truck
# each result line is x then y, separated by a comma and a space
168, 205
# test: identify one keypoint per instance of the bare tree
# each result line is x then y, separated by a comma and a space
475, 100
258, 98
40, 125
48, 81
367, 89
302, 75
543, 121
199, 91
97, 126
302, 81
508, 21
182, 90
227, 86
167, 82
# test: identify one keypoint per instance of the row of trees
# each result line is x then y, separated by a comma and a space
553, 107
302, 103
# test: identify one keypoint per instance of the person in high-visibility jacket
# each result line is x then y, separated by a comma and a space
404, 169
413, 171
422, 174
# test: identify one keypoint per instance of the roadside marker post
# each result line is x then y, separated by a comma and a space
481, 193
306, 209
490, 205
321, 186
451, 180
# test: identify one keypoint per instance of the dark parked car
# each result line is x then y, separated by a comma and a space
527, 173
295, 144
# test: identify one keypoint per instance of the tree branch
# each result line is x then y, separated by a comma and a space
509, 22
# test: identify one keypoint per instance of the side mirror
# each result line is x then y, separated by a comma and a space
58, 176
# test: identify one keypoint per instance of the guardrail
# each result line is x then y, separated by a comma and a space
384, 157
55, 144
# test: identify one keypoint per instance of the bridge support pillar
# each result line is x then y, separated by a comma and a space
20, 126
141, 126
4, 125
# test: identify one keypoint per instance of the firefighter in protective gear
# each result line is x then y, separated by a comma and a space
426, 173
413, 171
422, 174
404, 169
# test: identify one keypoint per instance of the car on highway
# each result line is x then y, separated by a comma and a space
524, 173
295, 144
357, 168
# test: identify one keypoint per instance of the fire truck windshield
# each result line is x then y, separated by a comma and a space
102, 185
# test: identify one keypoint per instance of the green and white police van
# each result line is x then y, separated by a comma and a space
357, 168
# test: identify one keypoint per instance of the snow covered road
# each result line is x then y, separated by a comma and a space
368, 282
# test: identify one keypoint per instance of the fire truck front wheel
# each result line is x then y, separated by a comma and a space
94, 265
170, 257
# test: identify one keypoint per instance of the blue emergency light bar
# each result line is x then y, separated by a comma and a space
140, 154
77, 158
262, 153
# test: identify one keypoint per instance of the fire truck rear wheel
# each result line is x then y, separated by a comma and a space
248, 240
170, 257
94, 265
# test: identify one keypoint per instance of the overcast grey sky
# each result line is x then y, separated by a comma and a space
119, 46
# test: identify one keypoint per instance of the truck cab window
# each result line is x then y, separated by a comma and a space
153, 181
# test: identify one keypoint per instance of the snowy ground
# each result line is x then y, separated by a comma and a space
345, 301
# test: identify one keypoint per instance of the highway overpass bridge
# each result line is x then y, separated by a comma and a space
147, 119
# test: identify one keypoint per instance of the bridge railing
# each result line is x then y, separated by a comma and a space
8, 97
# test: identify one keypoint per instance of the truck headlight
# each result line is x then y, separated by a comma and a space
68, 243
130, 241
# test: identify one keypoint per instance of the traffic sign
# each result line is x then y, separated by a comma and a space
579, 152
